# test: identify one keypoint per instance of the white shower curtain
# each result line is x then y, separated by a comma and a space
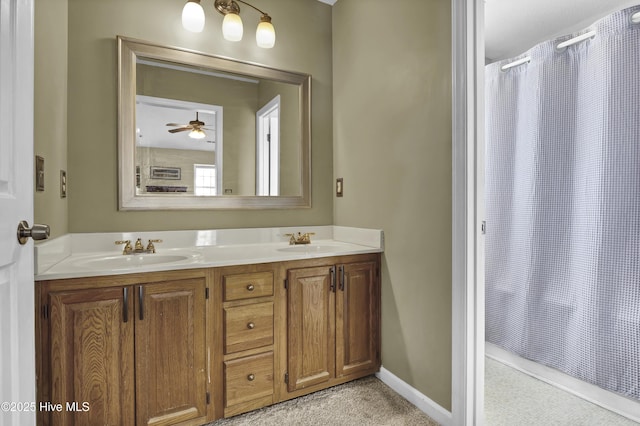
563, 206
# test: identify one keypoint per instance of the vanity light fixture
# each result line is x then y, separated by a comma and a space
232, 29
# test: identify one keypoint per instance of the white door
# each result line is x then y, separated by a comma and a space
17, 347
268, 148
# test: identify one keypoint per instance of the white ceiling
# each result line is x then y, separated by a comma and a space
514, 26
153, 114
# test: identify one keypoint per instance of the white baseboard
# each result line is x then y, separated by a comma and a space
424, 404
604, 398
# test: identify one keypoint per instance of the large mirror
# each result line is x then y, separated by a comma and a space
198, 131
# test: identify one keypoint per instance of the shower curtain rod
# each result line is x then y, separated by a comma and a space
515, 63
559, 46
575, 40
634, 18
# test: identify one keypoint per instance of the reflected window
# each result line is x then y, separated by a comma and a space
204, 179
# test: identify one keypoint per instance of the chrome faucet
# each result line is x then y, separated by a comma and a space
139, 248
300, 238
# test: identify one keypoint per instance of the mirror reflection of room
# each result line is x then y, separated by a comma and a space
208, 133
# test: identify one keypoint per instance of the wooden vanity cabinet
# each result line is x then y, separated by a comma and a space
190, 346
126, 350
333, 322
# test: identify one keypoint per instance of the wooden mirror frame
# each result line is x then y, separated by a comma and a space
128, 52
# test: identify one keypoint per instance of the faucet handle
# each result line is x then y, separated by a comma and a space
150, 247
305, 238
127, 246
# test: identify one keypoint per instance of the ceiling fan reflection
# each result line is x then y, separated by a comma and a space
196, 128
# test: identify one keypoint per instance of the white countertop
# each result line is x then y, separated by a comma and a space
95, 254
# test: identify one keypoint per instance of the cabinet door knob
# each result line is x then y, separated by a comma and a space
251, 377
251, 326
250, 287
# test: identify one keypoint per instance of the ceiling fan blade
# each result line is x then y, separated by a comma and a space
181, 129
177, 124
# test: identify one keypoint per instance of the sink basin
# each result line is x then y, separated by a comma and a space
309, 248
130, 261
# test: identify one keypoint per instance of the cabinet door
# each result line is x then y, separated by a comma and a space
91, 356
310, 323
356, 318
170, 352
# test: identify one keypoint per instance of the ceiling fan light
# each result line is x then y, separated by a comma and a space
197, 134
232, 27
265, 34
193, 16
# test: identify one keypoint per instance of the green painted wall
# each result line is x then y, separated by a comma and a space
50, 111
392, 146
303, 44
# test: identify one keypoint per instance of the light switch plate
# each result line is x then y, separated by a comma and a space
339, 183
39, 173
63, 184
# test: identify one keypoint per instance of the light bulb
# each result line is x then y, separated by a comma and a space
197, 134
193, 16
232, 27
265, 34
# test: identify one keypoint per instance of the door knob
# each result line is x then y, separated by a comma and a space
38, 232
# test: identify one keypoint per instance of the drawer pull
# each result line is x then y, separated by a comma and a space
251, 326
251, 377
250, 287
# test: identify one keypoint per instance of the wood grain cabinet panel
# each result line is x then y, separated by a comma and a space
248, 379
247, 286
311, 338
92, 357
170, 352
333, 323
356, 319
248, 327
132, 354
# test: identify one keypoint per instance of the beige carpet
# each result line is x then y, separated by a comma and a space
366, 401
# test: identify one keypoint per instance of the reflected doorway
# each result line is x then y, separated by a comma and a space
268, 149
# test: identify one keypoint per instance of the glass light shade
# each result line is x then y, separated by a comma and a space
232, 27
197, 134
193, 16
265, 35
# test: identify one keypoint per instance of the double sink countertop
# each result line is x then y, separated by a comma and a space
95, 254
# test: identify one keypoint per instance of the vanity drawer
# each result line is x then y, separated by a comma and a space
248, 327
247, 286
248, 378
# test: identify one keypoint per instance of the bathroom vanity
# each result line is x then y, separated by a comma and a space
211, 330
